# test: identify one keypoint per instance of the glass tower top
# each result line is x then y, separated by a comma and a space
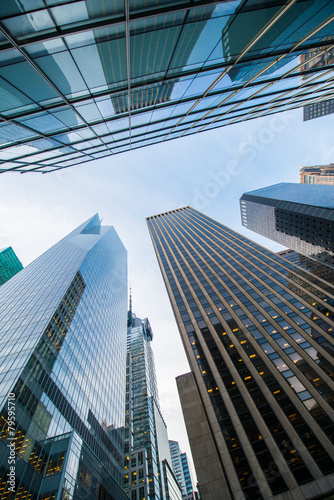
81, 80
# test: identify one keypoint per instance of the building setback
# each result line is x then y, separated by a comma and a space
86, 81
298, 216
258, 334
63, 359
9, 264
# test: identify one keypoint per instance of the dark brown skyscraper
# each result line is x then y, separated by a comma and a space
258, 335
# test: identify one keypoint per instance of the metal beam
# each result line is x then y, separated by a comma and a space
309, 84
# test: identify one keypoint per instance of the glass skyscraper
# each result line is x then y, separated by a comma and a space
63, 362
82, 80
316, 268
147, 462
299, 216
9, 264
259, 337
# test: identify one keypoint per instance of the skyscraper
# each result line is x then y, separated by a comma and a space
299, 216
85, 80
9, 264
319, 270
181, 469
63, 359
175, 454
317, 58
186, 473
147, 463
258, 334
319, 174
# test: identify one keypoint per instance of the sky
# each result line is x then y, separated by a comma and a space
208, 171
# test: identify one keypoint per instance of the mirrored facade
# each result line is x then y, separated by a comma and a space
299, 216
63, 360
9, 264
81, 80
181, 469
187, 475
317, 174
259, 337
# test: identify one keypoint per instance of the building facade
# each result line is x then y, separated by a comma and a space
181, 469
9, 264
298, 216
172, 490
175, 454
319, 174
317, 109
319, 270
258, 334
147, 461
85, 80
63, 360
187, 475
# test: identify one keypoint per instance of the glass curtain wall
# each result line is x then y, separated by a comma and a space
84, 79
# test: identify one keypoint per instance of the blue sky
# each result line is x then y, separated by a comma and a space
209, 171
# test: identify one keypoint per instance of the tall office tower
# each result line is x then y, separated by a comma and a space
319, 174
175, 454
315, 58
181, 469
259, 337
319, 270
9, 264
298, 216
63, 359
186, 474
147, 476
85, 80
